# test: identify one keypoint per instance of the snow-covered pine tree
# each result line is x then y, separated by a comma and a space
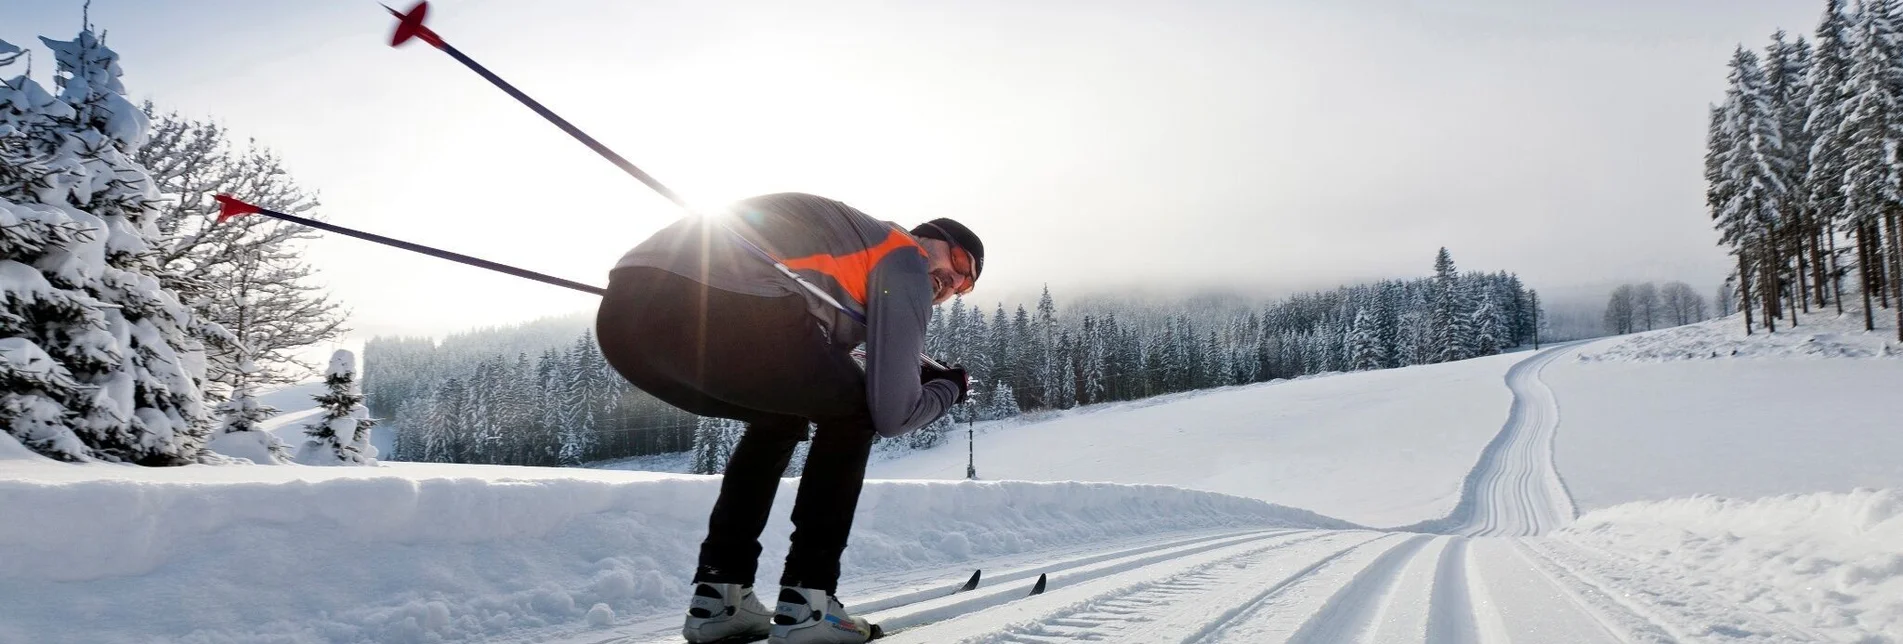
1488, 332
714, 440
82, 298
342, 435
1747, 220
1447, 322
241, 432
1364, 343
1004, 402
1044, 350
1823, 186
1873, 132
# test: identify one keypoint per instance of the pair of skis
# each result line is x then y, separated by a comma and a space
970, 585
879, 632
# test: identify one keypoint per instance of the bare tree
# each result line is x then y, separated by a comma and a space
1682, 305
1645, 304
1620, 312
280, 311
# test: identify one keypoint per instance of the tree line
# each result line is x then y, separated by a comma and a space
1646, 306
555, 402
1803, 177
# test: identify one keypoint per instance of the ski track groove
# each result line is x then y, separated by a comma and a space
1353, 613
1450, 616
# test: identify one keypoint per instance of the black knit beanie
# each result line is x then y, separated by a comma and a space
947, 230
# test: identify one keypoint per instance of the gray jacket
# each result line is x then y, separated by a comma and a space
869, 266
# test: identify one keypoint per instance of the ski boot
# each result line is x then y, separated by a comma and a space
725, 614
810, 616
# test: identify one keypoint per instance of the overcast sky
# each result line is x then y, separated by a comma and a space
1257, 145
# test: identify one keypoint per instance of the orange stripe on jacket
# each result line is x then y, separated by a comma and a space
854, 270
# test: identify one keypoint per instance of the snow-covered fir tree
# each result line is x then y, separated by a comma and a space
83, 298
714, 441
1365, 344
342, 435
241, 432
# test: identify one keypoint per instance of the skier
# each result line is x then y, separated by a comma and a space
699, 317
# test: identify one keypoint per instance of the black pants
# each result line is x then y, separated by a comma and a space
763, 361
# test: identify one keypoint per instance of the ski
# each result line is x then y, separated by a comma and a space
1036, 589
970, 585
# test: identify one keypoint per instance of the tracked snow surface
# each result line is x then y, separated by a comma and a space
1491, 550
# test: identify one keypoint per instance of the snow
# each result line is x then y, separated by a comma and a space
12, 450
1742, 428
1831, 558
256, 447
292, 397
1644, 418
1630, 430
342, 363
1312, 443
419, 553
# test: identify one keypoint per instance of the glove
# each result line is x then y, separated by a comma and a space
955, 373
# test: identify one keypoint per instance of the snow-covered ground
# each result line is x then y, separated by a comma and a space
1805, 410
1488, 458
1382, 448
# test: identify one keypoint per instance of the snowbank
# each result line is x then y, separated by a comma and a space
1381, 448
421, 553
1817, 335
1833, 559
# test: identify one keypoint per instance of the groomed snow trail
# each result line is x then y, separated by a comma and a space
1515, 490
1482, 575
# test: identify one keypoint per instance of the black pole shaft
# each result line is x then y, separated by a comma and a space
434, 252
624, 164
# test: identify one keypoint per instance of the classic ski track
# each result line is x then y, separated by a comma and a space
962, 604
1354, 611
1322, 596
1096, 606
666, 628
1031, 571
1518, 491
1657, 600
1450, 601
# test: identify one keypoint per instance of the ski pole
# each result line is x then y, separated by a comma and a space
410, 25
229, 206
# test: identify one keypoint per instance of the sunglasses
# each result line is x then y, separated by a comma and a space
961, 264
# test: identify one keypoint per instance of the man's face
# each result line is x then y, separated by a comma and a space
951, 270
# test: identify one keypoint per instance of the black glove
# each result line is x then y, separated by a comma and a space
955, 373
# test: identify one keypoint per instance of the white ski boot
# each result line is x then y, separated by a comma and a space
725, 613
809, 616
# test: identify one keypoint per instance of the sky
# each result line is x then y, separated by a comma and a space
1260, 146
